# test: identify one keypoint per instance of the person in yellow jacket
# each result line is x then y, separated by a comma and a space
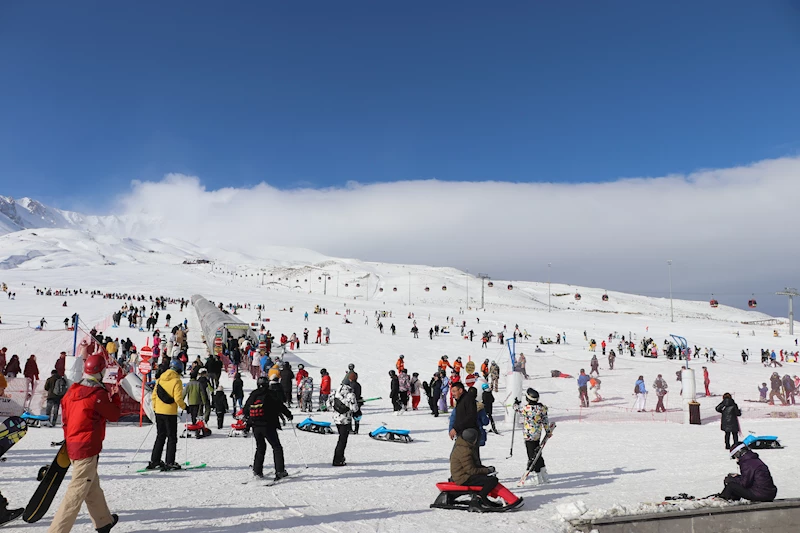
167, 397
111, 348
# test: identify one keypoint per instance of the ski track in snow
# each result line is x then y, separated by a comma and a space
608, 457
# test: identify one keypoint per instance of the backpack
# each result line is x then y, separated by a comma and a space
636, 389
163, 395
60, 387
340, 407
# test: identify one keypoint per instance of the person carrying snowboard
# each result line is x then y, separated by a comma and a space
88, 405
262, 411
535, 423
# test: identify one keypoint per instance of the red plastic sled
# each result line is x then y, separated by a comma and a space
449, 494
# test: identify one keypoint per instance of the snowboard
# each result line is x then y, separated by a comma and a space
548, 433
11, 432
51, 478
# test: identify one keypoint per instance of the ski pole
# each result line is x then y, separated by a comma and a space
140, 446
186, 436
513, 430
299, 448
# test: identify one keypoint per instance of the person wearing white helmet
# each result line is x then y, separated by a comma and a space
754, 482
86, 408
535, 422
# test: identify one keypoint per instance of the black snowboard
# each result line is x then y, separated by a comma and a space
48, 487
12, 430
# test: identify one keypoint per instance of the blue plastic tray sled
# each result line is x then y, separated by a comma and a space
33, 420
762, 442
314, 426
390, 435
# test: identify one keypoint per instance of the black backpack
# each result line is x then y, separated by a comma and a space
60, 387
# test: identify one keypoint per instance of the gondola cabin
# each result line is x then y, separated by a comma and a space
346, 284
714, 303
752, 304
380, 290
394, 289
510, 287
491, 284
577, 296
427, 289
358, 284
444, 287
605, 297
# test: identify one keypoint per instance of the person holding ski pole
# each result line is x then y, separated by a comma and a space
87, 406
535, 423
641, 394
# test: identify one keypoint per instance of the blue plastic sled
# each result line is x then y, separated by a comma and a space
33, 420
762, 442
314, 426
391, 435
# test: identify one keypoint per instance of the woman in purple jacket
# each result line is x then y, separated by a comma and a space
754, 483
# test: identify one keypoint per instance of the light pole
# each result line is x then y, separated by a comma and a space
409, 288
325, 283
791, 293
671, 315
548, 286
467, 288
483, 278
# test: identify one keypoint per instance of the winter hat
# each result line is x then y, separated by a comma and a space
532, 395
739, 450
470, 435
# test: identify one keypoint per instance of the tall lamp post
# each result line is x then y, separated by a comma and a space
548, 286
483, 278
791, 293
467, 288
671, 315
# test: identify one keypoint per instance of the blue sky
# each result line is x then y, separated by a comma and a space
95, 94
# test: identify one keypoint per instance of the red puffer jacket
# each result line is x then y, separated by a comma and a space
84, 411
325, 385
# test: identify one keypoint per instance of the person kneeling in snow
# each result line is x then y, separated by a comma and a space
755, 481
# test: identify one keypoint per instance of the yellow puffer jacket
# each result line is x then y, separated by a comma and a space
171, 382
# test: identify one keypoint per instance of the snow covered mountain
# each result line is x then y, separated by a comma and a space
26, 213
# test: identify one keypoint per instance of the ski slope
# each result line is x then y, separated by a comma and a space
605, 456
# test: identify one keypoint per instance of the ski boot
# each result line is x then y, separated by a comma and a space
280, 475
107, 528
6, 514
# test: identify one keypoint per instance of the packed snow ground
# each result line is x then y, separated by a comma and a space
604, 456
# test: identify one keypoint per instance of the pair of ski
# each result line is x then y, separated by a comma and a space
184, 467
270, 483
548, 433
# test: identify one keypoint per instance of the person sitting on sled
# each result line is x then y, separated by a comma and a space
466, 469
754, 482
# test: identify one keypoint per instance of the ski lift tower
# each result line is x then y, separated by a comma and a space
791, 293
483, 278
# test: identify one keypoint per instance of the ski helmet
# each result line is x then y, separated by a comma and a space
444, 357
470, 435
94, 364
351, 367
176, 365
532, 395
739, 450
485, 386
301, 366
402, 356
323, 372
262, 382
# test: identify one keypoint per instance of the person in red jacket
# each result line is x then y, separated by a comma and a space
324, 390
86, 407
400, 364
302, 374
61, 364
32, 373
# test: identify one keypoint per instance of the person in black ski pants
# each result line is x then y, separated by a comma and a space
262, 411
356, 386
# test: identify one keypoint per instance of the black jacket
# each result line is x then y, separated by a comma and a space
395, 387
356, 386
272, 409
488, 400
287, 378
730, 415
238, 388
466, 411
220, 402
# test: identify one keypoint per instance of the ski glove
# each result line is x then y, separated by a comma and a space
492, 469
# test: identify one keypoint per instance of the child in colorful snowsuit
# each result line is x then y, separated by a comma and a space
307, 391
535, 422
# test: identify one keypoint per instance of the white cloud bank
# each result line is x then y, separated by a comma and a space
728, 231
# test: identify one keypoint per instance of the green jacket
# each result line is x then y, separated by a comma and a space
193, 394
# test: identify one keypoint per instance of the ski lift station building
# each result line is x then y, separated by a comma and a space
217, 324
